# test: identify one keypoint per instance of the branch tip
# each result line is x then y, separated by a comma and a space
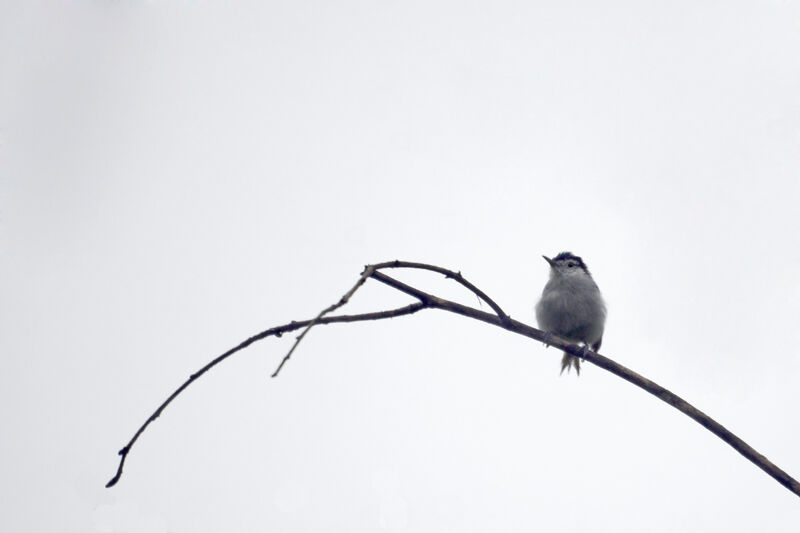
293, 325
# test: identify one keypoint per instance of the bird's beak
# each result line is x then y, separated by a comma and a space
549, 261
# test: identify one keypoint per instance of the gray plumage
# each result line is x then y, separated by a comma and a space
571, 306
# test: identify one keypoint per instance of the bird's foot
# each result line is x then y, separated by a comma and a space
547, 338
584, 350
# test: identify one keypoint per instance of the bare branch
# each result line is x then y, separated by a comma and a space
607, 364
276, 332
499, 319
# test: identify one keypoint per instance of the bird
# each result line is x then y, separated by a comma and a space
571, 306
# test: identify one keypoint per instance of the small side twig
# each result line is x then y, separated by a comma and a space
368, 270
450, 275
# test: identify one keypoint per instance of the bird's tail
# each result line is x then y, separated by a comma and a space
569, 361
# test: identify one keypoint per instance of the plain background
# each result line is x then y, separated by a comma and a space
177, 176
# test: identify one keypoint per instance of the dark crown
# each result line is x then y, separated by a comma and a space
563, 257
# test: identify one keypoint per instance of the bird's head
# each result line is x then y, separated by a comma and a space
567, 264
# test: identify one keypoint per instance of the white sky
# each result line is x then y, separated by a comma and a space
175, 177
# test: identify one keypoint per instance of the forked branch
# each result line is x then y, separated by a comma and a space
499, 319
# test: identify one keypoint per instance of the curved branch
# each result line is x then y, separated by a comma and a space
607, 364
501, 320
277, 332
448, 274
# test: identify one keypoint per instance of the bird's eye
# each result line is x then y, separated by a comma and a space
571, 265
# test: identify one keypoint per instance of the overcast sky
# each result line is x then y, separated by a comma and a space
177, 176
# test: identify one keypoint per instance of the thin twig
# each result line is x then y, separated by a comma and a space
368, 270
276, 332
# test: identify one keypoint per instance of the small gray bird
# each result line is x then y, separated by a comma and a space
571, 306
